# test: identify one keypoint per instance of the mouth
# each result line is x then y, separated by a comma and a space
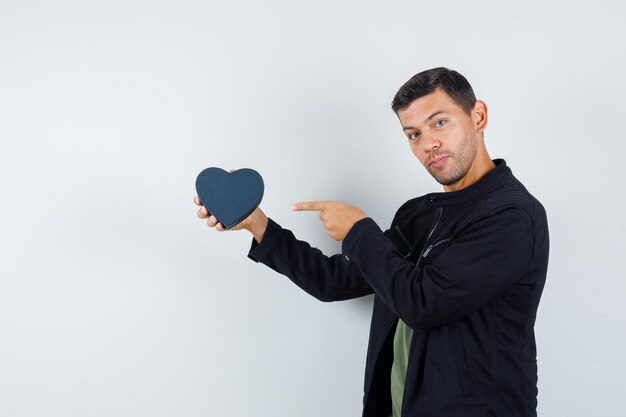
438, 162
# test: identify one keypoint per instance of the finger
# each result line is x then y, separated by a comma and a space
197, 201
310, 205
232, 170
212, 221
220, 227
203, 212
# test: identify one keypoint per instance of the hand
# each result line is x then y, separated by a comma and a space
255, 223
203, 213
338, 217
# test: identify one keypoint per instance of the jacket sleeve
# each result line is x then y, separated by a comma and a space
326, 278
490, 255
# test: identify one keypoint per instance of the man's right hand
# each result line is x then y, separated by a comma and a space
255, 223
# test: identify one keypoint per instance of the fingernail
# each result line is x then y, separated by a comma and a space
294, 207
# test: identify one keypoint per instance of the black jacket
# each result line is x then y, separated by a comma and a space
465, 270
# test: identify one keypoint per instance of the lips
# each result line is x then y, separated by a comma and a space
439, 161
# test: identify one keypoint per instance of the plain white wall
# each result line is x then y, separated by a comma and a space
116, 300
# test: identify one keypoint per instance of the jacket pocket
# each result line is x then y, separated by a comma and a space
402, 245
433, 250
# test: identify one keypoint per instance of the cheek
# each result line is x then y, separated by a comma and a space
455, 135
418, 151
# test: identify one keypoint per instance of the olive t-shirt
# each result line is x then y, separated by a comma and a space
401, 346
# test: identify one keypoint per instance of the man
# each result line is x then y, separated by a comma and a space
457, 277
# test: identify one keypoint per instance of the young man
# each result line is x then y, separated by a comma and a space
457, 277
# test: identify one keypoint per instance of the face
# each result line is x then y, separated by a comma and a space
442, 136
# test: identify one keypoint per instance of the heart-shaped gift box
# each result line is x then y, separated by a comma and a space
230, 196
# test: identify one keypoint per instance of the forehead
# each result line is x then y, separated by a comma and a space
419, 109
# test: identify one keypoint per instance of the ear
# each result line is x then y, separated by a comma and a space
479, 116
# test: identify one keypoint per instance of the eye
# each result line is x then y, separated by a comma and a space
440, 123
414, 136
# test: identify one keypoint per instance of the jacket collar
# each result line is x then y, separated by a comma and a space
491, 180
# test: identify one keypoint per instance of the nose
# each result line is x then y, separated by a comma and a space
431, 143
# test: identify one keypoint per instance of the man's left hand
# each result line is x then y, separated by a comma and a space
338, 217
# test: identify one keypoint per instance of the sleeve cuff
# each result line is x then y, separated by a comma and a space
259, 251
358, 230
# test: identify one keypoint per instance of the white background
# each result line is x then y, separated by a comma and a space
116, 300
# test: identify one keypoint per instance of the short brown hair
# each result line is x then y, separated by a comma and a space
425, 82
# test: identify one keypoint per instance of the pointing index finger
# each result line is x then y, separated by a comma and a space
310, 206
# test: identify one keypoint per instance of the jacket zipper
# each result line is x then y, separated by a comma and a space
439, 212
425, 250
428, 248
434, 245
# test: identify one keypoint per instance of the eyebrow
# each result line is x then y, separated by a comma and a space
429, 117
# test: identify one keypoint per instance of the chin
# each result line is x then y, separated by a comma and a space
441, 179
446, 180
